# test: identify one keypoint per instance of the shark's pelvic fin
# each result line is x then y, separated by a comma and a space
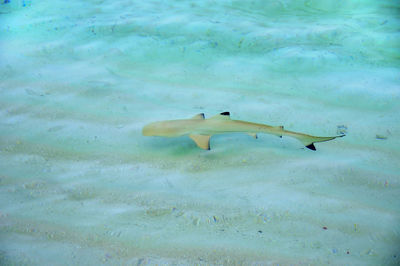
222, 116
254, 135
202, 141
199, 116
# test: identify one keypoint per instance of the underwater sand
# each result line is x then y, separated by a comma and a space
80, 185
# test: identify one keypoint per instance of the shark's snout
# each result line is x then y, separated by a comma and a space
162, 129
148, 130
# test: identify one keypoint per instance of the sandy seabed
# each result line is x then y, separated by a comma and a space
80, 185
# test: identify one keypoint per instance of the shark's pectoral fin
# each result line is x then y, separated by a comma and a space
254, 135
202, 141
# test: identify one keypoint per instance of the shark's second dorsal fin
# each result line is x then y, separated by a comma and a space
199, 116
222, 116
202, 141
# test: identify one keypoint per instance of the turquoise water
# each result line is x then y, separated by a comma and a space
80, 185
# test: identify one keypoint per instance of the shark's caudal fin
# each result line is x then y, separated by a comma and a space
311, 147
310, 140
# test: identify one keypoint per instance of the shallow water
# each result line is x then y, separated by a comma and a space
79, 184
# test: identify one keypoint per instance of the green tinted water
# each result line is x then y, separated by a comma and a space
79, 184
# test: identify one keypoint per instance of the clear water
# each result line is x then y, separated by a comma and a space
80, 185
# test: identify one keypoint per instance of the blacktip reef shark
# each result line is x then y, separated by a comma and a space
200, 130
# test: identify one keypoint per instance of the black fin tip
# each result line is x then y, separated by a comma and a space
311, 147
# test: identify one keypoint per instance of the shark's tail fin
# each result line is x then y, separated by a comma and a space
309, 141
311, 147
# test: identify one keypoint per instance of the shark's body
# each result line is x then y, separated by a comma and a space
200, 129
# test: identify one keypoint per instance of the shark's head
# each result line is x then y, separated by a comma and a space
162, 129
151, 129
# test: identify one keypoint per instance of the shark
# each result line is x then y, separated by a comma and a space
200, 130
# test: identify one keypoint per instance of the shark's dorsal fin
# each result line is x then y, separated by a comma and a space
222, 116
199, 116
202, 141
